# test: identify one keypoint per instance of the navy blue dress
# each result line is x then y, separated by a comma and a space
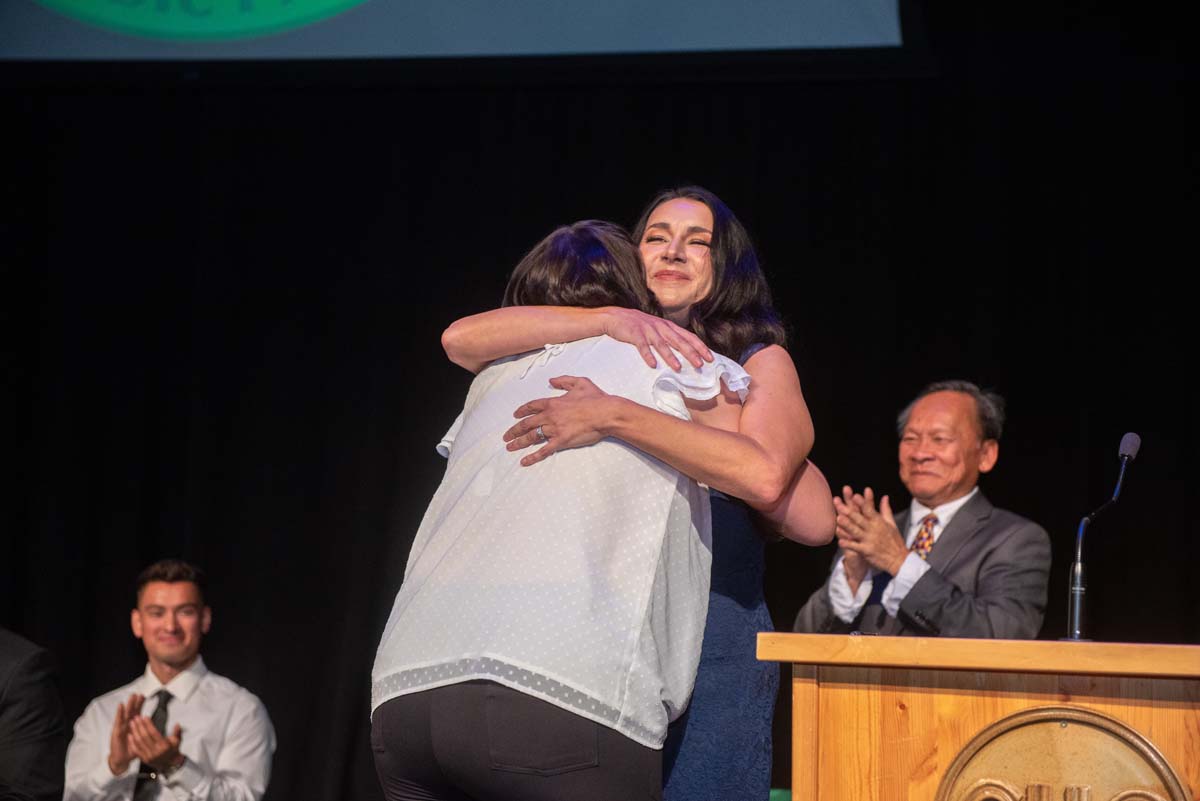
720, 749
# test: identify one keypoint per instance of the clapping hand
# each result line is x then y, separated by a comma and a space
150, 745
867, 536
119, 753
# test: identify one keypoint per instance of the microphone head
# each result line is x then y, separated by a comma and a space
1129, 446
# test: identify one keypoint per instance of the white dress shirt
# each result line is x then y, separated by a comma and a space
227, 740
846, 605
581, 580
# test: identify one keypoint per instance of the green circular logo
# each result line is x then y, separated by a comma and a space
200, 19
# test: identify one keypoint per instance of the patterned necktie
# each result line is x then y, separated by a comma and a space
146, 775
923, 543
921, 546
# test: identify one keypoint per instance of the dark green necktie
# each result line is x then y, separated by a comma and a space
146, 774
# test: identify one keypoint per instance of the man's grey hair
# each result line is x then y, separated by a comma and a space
988, 404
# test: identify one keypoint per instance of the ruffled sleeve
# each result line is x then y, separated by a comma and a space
447, 441
671, 389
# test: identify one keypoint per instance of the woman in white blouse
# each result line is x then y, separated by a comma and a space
551, 617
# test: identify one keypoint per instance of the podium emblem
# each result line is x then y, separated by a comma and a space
1060, 752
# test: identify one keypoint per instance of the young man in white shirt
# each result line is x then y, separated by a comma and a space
178, 730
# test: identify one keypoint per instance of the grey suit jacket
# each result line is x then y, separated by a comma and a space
990, 570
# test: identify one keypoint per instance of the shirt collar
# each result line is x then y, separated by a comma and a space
180, 687
944, 513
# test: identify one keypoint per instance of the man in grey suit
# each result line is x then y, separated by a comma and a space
952, 565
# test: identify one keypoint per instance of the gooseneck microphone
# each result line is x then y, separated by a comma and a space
1127, 452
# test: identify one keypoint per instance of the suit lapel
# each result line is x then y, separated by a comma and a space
963, 527
968, 522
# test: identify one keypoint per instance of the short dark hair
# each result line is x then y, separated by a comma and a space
989, 406
738, 312
589, 263
171, 571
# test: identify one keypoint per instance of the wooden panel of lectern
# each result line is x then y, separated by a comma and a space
922, 719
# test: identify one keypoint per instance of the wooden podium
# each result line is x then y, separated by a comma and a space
922, 719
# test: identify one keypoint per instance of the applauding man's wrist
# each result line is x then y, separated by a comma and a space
168, 763
174, 765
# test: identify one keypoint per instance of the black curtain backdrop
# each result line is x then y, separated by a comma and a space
225, 299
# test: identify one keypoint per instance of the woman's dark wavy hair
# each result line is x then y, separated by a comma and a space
590, 263
738, 312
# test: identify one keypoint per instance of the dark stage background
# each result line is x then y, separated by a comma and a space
225, 288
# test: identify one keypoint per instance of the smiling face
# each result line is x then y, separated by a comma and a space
170, 620
942, 450
676, 250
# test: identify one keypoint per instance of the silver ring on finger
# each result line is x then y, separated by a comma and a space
541, 435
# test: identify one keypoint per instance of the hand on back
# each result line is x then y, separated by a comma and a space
650, 335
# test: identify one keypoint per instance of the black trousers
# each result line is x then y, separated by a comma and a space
481, 741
